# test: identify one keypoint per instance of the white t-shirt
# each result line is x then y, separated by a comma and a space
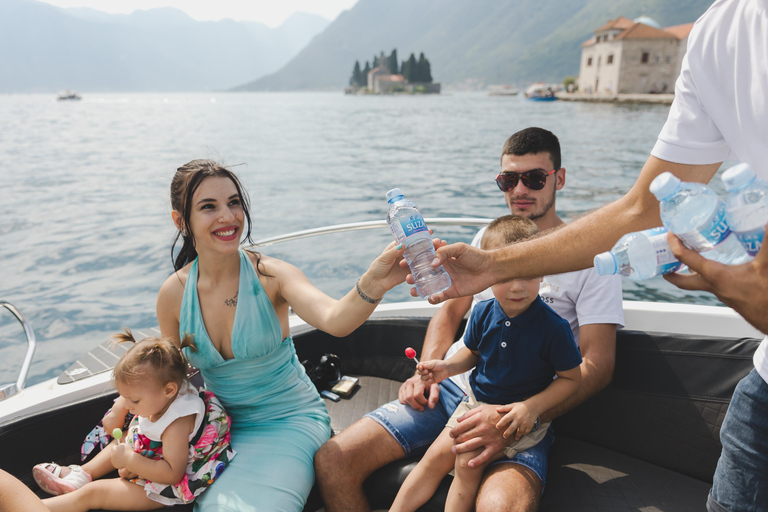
582, 298
720, 110
187, 403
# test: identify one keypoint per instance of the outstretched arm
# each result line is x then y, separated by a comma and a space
340, 317
743, 287
473, 270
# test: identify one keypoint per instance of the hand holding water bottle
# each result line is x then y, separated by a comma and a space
697, 216
408, 227
743, 287
746, 208
639, 256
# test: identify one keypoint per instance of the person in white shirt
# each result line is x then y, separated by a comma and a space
720, 112
531, 174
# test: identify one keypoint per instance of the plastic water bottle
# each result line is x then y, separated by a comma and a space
746, 208
409, 228
695, 214
639, 256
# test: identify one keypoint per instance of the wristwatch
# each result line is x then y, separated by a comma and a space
536, 424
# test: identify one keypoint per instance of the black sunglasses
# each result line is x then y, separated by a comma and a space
535, 179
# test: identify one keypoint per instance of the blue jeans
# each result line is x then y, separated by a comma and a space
416, 430
741, 478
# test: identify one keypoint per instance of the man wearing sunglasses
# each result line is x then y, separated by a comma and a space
531, 174
719, 113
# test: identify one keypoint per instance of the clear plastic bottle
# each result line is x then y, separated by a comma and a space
409, 228
695, 214
746, 208
639, 256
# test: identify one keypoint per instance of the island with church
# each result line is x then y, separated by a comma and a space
387, 76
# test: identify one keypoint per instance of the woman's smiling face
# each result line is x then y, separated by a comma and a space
216, 216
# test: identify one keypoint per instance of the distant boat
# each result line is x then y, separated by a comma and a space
502, 90
69, 95
541, 92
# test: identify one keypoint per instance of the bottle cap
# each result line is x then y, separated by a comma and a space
393, 194
737, 176
605, 264
664, 185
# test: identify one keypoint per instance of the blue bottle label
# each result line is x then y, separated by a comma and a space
752, 240
711, 234
665, 260
412, 224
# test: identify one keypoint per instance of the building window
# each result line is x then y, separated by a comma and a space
589, 61
668, 59
609, 60
644, 59
657, 59
599, 58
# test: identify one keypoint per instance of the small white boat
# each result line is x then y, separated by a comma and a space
541, 92
502, 90
69, 96
649, 441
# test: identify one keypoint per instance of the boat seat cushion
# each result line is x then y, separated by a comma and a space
582, 476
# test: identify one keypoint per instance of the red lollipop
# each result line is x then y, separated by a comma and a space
411, 354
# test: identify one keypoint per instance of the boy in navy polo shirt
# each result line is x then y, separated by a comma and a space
517, 344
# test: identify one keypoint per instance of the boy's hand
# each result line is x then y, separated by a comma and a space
433, 371
518, 420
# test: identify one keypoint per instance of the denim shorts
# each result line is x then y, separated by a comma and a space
417, 430
741, 477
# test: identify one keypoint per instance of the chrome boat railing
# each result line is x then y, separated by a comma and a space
8, 390
373, 224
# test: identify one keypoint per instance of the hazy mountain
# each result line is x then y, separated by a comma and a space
486, 41
45, 48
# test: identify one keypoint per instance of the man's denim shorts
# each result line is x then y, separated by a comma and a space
416, 430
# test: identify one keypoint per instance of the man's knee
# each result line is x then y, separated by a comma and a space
509, 488
356, 452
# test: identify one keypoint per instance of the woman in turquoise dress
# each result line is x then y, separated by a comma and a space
236, 304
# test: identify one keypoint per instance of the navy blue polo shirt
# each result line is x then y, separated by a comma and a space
518, 356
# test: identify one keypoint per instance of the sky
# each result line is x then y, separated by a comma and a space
269, 12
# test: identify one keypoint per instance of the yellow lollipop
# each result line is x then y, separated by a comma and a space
117, 434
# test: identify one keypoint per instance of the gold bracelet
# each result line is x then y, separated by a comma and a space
364, 296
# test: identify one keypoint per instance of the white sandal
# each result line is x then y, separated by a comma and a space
47, 476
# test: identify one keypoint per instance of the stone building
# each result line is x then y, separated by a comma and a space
382, 80
633, 57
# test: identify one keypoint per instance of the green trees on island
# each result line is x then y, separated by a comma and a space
414, 71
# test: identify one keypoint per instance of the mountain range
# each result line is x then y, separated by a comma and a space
468, 43
44, 48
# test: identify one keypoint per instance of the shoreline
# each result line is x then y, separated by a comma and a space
659, 99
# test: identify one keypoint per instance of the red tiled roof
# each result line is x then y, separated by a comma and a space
618, 23
643, 31
680, 31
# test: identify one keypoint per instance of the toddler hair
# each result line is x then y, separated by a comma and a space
156, 356
507, 230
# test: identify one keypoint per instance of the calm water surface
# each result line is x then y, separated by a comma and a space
85, 227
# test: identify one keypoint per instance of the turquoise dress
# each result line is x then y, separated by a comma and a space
278, 419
